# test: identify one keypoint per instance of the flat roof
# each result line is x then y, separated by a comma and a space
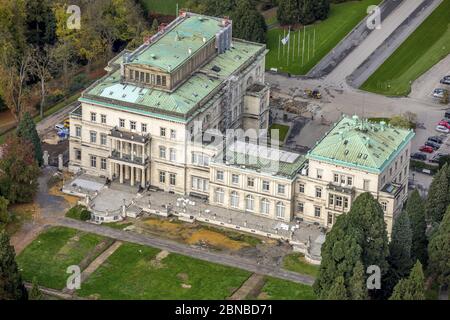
358, 143
197, 89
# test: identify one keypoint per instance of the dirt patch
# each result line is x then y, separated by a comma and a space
215, 239
157, 262
55, 186
70, 245
263, 296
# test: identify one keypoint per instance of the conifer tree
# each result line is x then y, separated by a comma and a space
438, 197
415, 208
439, 252
27, 131
357, 283
338, 290
411, 288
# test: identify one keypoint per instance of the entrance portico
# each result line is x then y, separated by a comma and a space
135, 174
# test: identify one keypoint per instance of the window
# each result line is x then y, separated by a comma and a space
172, 179
301, 188
147, 77
103, 118
122, 123
158, 80
173, 155
131, 74
366, 185
250, 182
234, 199
200, 159
336, 178
219, 175
144, 127
219, 196
162, 132
142, 76
93, 136
93, 117
162, 152
132, 125
338, 201
235, 178
330, 218
317, 212
331, 200
319, 173
162, 177
300, 207
265, 185
77, 154
265, 206
281, 208
93, 161
199, 184
103, 163
173, 134
318, 192
345, 203
164, 81
136, 75
384, 206
349, 181
249, 203
281, 188
103, 139
78, 131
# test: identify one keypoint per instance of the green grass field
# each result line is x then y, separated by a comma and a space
133, 273
296, 262
424, 48
328, 33
278, 289
48, 257
283, 130
167, 7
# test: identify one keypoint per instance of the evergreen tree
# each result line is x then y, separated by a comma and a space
248, 23
357, 283
411, 288
415, 208
321, 9
35, 293
155, 25
338, 290
306, 11
4, 215
438, 197
288, 12
41, 22
27, 130
439, 252
11, 286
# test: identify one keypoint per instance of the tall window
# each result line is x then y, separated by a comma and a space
234, 199
144, 127
317, 212
173, 179
122, 123
78, 131
219, 175
93, 136
366, 185
132, 125
173, 134
281, 188
318, 192
219, 195
103, 163
173, 154
162, 177
93, 161
281, 208
249, 203
199, 184
266, 185
162, 152
384, 206
250, 182
77, 154
103, 138
265, 206
93, 117
103, 118
301, 188
300, 207
319, 173
162, 132
235, 178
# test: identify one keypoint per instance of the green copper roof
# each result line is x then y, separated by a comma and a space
271, 161
187, 97
172, 49
358, 143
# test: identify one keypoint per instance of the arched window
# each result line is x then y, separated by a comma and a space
234, 199
280, 209
219, 195
249, 203
265, 206
249, 81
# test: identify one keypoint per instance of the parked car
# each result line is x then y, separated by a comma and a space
446, 80
426, 149
442, 129
436, 139
433, 145
437, 157
439, 92
444, 123
419, 156
59, 127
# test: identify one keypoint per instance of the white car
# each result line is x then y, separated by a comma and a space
439, 93
442, 129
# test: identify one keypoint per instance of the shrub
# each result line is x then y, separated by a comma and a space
79, 213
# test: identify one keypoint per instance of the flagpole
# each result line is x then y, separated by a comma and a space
314, 43
309, 43
284, 37
289, 42
303, 49
298, 42
293, 50
279, 41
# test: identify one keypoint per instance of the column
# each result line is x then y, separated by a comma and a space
121, 173
127, 172
143, 178
143, 154
132, 176
120, 148
132, 151
111, 164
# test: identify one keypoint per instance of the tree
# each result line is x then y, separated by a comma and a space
400, 262
248, 23
18, 170
4, 215
438, 198
416, 211
411, 288
27, 131
155, 25
11, 286
321, 9
40, 22
400, 122
288, 12
338, 290
357, 283
439, 252
35, 293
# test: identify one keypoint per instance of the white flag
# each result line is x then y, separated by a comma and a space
286, 39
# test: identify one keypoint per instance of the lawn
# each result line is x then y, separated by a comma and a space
296, 262
133, 272
167, 7
48, 256
278, 289
282, 130
426, 46
328, 33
